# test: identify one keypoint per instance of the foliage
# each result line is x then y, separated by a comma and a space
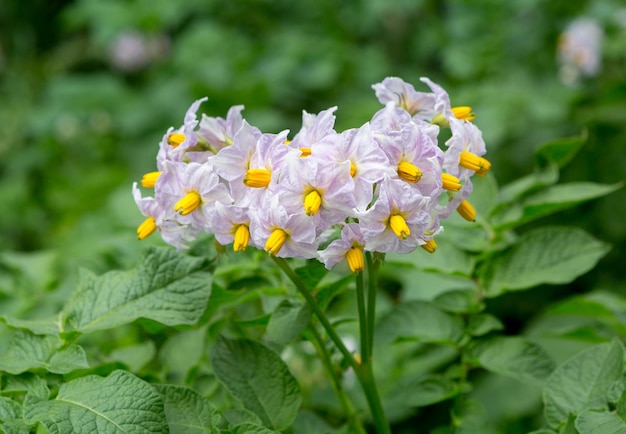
110, 357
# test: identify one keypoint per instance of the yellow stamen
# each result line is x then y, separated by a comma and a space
275, 241
287, 142
146, 228
305, 152
467, 211
188, 203
354, 257
450, 182
409, 172
352, 169
474, 162
257, 178
149, 179
464, 113
430, 246
399, 227
312, 202
242, 238
175, 139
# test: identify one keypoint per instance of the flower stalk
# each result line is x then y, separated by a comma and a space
363, 369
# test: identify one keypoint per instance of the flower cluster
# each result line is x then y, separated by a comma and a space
383, 187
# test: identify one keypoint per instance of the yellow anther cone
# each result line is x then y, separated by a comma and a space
409, 172
399, 227
474, 162
430, 246
146, 228
150, 179
175, 139
242, 238
450, 182
275, 241
305, 152
312, 202
257, 178
188, 203
467, 211
463, 113
355, 260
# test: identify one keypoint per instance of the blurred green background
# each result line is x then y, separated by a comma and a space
88, 87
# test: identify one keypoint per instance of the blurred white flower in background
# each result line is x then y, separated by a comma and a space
579, 50
132, 50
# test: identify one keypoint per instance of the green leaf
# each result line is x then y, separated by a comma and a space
221, 300
598, 310
460, 301
166, 287
237, 416
37, 270
470, 418
526, 185
422, 321
251, 428
464, 235
256, 321
312, 274
118, 404
308, 422
182, 352
26, 351
560, 152
288, 321
134, 356
596, 422
479, 325
583, 382
187, 411
11, 417
514, 357
424, 391
27, 382
549, 201
569, 427
49, 326
448, 259
546, 255
259, 378
484, 194
328, 292
423, 285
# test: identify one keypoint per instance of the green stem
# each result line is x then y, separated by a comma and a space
363, 370
372, 289
368, 383
360, 297
335, 382
367, 377
317, 310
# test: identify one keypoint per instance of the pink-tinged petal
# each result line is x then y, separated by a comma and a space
232, 162
397, 91
314, 128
